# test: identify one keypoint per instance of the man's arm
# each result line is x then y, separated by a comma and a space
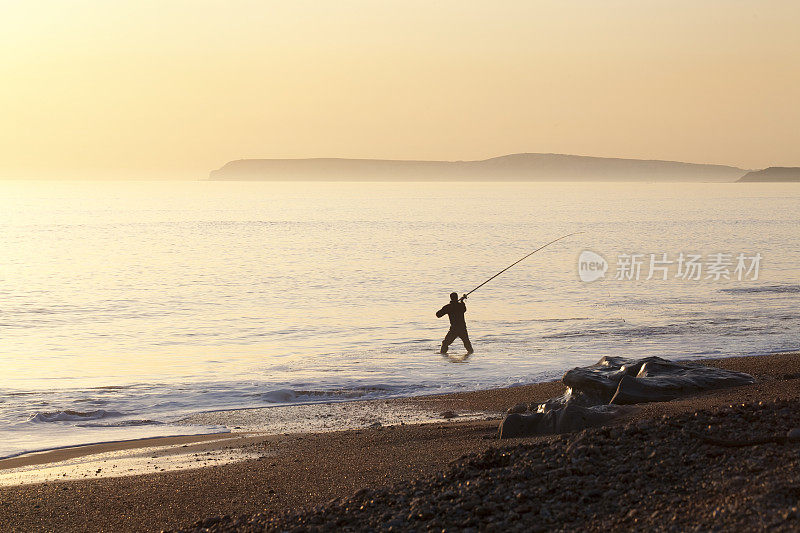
441, 312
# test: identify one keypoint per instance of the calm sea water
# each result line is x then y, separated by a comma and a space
125, 306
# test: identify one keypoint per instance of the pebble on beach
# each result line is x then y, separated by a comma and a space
645, 475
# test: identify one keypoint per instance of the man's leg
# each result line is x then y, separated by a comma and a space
465, 338
448, 340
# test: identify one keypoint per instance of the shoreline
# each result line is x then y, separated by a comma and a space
422, 409
471, 406
277, 473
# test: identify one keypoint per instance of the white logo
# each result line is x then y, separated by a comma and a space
591, 266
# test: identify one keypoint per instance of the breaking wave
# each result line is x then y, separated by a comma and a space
73, 416
318, 396
122, 424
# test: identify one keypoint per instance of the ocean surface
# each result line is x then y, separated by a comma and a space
127, 306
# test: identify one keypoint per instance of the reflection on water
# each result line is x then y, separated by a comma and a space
182, 296
453, 358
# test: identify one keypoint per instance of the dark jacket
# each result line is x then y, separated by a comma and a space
455, 311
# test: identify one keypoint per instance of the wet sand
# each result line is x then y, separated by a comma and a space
300, 471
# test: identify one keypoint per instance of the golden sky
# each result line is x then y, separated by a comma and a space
173, 89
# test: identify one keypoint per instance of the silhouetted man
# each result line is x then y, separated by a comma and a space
458, 327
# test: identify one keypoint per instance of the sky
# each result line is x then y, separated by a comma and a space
175, 88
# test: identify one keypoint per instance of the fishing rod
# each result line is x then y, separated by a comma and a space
515, 262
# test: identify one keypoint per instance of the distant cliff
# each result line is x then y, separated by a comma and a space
773, 174
515, 167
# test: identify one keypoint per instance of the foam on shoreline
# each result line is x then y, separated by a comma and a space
174, 453
180, 452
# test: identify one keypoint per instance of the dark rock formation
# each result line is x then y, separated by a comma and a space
569, 417
596, 393
773, 174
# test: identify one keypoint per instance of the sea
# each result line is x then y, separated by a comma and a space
126, 307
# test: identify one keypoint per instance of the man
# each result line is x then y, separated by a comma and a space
458, 327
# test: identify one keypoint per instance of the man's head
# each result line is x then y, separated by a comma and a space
453, 296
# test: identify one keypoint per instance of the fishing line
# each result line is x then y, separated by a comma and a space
516, 262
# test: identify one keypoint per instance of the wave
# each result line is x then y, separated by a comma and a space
642, 331
123, 424
279, 396
72, 416
763, 288
295, 396
723, 326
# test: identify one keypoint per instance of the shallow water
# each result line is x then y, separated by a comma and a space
125, 306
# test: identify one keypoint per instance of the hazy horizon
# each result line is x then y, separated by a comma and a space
174, 89
211, 171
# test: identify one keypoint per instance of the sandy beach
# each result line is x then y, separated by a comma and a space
241, 474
